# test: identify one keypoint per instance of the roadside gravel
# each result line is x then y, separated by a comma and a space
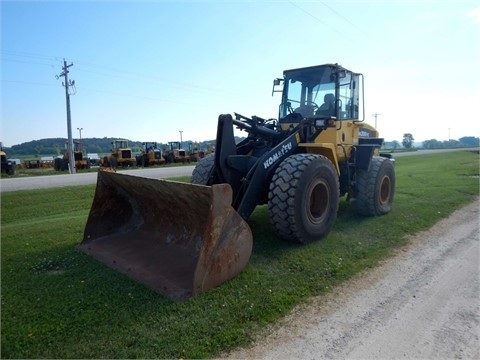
423, 303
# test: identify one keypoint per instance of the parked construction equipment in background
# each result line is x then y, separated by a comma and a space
175, 153
81, 162
7, 166
195, 152
121, 155
182, 239
150, 155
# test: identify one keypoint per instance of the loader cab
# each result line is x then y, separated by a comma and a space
324, 91
119, 144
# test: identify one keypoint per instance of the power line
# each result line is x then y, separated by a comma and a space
85, 90
29, 55
320, 21
82, 66
27, 62
27, 82
344, 18
357, 28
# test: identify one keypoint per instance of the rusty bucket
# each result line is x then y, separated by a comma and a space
178, 239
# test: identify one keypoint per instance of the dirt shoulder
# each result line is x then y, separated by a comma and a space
421, 303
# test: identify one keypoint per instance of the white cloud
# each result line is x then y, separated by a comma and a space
475, 13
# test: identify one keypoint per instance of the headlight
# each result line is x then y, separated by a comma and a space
323, 123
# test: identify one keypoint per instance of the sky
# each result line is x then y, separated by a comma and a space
165, 70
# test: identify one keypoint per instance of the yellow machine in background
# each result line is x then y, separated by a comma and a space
121, 155
175, 153
7, 166
151, 155
81, 162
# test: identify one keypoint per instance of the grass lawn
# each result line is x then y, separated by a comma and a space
59, 303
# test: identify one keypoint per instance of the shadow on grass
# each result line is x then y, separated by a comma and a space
267, 244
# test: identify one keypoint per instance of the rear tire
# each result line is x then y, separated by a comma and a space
203, 169
65, 165
303, 198
375, 188
57, 164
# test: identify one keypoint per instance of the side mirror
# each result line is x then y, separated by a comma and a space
276, 82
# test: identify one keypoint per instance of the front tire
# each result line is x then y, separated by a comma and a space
303, 198
113, 162
375, 188
203, 169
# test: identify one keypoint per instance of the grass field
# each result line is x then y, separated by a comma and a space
59, 303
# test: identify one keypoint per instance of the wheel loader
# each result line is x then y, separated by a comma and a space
81, 162
121, 155
183, 239
175, 153
7, 166
150, 155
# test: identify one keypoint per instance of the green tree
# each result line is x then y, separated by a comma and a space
407, 141
56, 147
432, 144
38, 150
469, 141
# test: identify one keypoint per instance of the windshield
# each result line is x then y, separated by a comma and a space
120, 144
321, 91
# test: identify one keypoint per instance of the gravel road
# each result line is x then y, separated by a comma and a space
423, 303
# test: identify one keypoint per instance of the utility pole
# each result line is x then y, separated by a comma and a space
375, 115
181, 138
67, 84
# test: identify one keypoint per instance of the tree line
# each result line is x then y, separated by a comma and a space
408, 143
465, 141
